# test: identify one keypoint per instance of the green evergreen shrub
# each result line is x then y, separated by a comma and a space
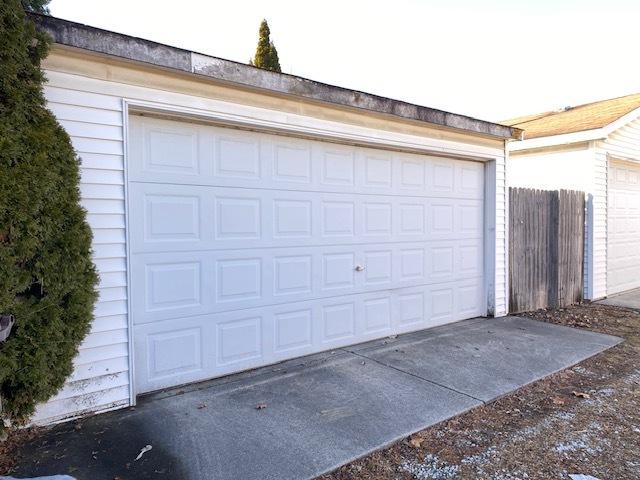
266, 54
47, 278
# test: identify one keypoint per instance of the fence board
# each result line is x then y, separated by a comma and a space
546, 247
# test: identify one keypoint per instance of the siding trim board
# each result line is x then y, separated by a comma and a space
131, 356
104, 376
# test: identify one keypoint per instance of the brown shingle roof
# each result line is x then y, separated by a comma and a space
575, 119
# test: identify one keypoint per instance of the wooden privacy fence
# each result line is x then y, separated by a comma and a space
546, 248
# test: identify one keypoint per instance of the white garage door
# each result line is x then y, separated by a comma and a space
623, 251
249, 248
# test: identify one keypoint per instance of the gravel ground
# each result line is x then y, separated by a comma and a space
584, 420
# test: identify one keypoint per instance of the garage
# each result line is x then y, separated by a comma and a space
249, 248
623, 246
243, 217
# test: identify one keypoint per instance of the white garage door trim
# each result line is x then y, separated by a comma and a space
623, 226
399, 145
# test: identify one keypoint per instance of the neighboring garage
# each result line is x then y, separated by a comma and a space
243, 217
594, 148
623, 249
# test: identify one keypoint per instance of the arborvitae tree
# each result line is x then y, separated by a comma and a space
39, 6
275, 60
47, 278
266, 54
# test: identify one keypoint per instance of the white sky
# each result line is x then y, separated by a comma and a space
490, 59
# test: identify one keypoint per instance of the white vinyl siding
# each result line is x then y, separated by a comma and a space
100, 380
598, 228
624, 143
92, 111
497, 232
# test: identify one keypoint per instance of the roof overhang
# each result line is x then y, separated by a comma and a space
104, 42
575, 137
557, 140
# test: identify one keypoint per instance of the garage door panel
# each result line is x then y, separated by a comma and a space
181, 153
623, 227
215, 281
178, 217
189, 349
248, 248
164, 286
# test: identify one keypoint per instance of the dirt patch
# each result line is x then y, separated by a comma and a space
10, 446
582, 420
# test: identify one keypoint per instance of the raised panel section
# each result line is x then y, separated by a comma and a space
468, 299
441, 303
237, 158
377, 171
172, 286
377, 219
292, 164
378, 267
172, 151
471, 218
470, 260
472, 178
412, 219
411, 308
412, 264
292, 218
175, 352
338, 168
442, 218
338, 218
443, 177
442, 261
412, 173
237, 218
239, 340
293, 330
338, 270
292, 275
377, 315
239, 279
338, 322
171, 217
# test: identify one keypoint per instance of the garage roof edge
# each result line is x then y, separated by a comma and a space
77, 35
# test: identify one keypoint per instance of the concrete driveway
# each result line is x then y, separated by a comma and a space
628, 299
302, 418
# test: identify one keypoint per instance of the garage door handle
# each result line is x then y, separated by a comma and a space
359, 268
